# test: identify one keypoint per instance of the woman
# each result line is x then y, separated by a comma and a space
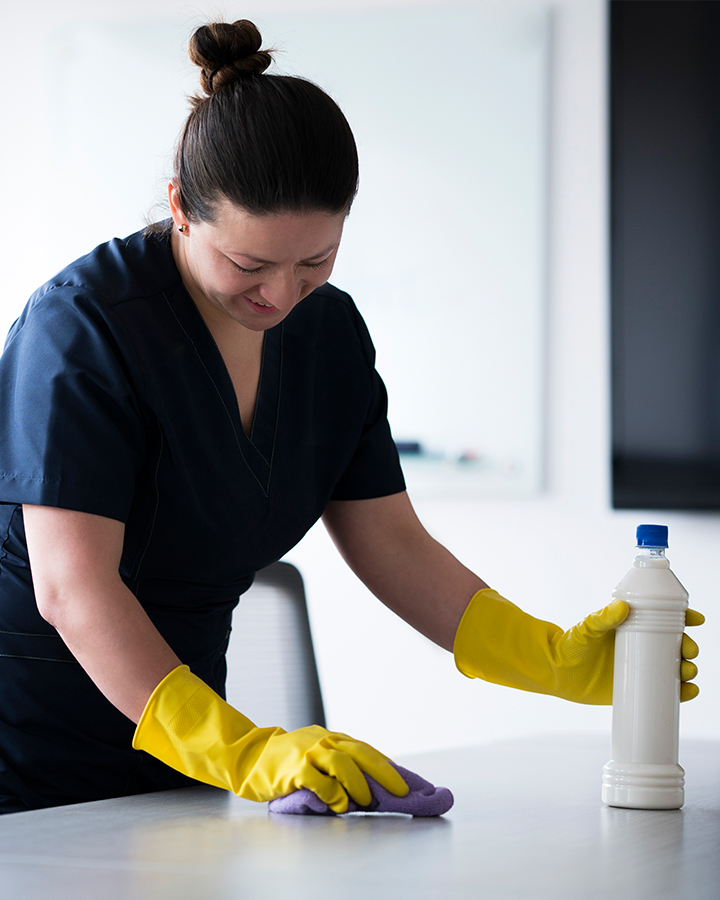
178, 408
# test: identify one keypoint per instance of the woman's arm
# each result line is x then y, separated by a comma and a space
385, 544
75, 560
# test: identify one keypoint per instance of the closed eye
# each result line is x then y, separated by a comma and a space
307, 265
317, 265
244, 270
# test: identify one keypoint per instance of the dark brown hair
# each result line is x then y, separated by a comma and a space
267, 143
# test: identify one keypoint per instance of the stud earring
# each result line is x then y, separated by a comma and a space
182, 229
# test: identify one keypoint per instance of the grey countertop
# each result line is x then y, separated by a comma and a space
528, 822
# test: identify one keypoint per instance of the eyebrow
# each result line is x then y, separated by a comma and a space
269, 262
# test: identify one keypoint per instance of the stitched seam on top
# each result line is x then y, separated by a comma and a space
277, 414
3, 552
134, 771
31, 634
13, 476
259, 388
138, 566
217, 390
73, 662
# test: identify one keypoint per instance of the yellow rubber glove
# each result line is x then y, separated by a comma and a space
689, 651
498, 642
191, 728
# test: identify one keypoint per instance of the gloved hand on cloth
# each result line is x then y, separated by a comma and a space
423, 799
190, 727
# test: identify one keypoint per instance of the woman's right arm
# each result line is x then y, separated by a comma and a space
75, 559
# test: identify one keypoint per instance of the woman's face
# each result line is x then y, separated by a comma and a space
254, 268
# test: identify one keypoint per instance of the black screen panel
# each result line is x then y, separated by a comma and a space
665, 253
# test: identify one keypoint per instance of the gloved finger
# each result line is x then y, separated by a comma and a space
688, 671
371, 761
688, 691
341, 766
693, 617
604, 620
689, 648
328, 789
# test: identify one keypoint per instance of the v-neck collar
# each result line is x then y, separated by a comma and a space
257, 450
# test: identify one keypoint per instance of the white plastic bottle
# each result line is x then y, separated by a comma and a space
644, 772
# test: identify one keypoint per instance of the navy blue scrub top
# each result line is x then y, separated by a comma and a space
115, 400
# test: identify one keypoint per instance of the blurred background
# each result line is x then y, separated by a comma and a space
478, 251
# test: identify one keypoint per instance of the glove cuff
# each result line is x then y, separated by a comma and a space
475, 632
183, 710
498, 642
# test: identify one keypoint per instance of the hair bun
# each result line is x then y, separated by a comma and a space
226, 52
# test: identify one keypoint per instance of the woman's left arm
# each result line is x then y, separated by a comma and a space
386, 545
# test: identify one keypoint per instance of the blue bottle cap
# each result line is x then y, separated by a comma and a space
652, 536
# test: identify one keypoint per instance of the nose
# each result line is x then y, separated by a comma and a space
284, 289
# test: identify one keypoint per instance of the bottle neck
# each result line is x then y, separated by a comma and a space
651, 552
652, 557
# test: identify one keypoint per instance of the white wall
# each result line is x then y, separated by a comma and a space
557, 554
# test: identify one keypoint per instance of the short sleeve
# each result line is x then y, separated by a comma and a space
71, 430
374, 470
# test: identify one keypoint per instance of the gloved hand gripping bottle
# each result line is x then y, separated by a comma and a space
644, 772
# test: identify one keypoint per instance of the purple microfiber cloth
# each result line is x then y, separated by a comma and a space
423, 799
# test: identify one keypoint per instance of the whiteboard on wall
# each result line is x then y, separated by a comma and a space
445, 248
444, 251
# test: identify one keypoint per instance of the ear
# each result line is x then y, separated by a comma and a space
178, 216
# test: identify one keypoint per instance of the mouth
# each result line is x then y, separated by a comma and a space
259, 306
